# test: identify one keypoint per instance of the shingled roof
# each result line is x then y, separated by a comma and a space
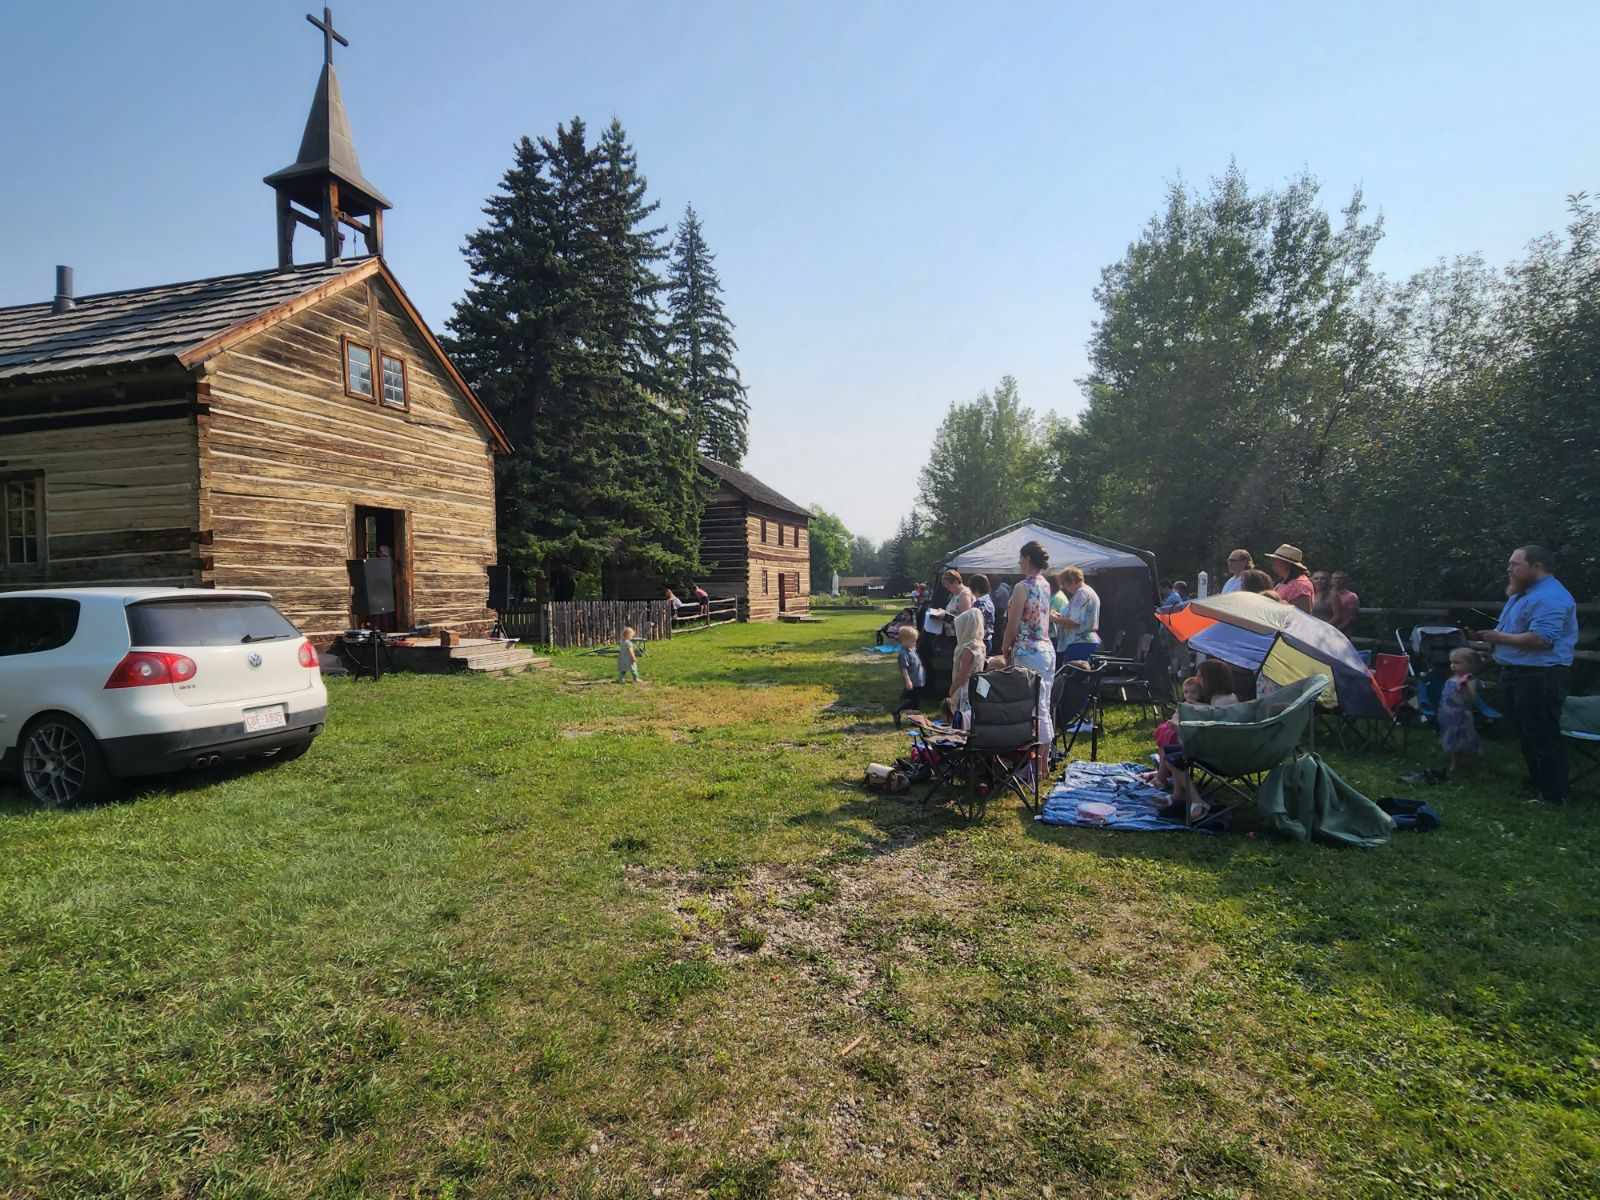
145, 325
749, 486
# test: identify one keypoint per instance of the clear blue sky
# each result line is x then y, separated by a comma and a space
907, 201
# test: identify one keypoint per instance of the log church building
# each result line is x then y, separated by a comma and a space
254, 430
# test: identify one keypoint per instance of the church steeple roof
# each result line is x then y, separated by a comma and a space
326, 146
324, 187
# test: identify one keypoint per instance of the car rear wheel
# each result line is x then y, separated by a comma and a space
61, 763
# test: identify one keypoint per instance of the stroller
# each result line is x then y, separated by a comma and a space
996, 754
889, 631
1430, 650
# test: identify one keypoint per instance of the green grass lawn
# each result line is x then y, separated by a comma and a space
551, 936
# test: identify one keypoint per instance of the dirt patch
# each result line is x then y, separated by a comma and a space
836, 924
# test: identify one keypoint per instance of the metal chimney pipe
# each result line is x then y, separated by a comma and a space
63, 300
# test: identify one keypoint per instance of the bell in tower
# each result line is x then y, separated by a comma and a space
324, 188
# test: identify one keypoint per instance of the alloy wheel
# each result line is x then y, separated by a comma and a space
54, 764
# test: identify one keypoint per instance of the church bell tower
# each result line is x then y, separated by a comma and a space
324, 187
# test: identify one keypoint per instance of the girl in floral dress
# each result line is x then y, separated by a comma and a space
1458, 732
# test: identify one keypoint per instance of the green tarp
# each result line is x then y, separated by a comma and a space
1304, 798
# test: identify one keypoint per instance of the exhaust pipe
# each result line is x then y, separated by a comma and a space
202, 761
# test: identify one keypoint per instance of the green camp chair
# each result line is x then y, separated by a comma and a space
1580, 725
1233, 747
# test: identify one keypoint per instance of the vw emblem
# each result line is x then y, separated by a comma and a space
254, 660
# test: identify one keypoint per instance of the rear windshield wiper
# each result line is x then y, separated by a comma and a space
261, 637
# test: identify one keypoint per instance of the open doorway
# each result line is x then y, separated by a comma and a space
382, 533
783, 591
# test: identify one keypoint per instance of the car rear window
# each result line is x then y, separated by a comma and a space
34, 624
206, 623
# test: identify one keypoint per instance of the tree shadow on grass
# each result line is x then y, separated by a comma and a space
1480, 923
878, 824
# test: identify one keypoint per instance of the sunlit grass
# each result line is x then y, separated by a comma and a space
549, 935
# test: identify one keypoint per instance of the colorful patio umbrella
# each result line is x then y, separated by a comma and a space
1278, 642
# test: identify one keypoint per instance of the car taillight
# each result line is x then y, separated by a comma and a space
308, 655
143, 667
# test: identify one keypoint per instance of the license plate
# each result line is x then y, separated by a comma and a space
258, 719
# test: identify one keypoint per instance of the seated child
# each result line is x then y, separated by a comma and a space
1213, 685
912, 675
1167, 739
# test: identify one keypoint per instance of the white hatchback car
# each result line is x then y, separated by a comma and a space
98, 684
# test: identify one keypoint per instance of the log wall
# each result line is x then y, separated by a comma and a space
722, 545
767, 560
120, 475
286, 456
747, 567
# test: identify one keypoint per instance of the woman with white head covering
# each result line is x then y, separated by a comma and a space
968, 661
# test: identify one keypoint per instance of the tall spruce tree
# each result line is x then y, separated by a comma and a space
663, 502
702, 340
560, 334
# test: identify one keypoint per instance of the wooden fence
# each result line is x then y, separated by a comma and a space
567, 623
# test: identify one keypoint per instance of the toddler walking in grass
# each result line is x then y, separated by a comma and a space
627, 657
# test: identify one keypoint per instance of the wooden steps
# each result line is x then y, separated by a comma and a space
477, 655
500, 662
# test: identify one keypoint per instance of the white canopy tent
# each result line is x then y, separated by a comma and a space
996, 555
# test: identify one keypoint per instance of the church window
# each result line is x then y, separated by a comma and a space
357, 369
394, 382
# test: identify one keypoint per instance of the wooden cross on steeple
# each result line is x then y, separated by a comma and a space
330, 35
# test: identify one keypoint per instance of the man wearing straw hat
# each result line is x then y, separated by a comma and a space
1294, 580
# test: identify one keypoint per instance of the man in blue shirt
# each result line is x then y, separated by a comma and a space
1533, 642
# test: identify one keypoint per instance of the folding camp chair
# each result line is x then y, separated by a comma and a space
1075, 705
1374, 723
997, 752
1129, 680
1580, 726
1232, 748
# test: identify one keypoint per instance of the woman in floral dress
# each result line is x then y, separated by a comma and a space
1027, 640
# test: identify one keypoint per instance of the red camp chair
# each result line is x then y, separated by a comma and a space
1391, 674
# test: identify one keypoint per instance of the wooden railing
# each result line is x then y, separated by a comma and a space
1447, 612
703, 616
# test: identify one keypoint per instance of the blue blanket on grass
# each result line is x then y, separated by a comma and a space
891, 648
1108, 783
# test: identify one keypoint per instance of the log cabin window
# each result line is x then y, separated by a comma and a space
763, 581
357, 370
763, 531
780, 533
22, 521
394, 382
